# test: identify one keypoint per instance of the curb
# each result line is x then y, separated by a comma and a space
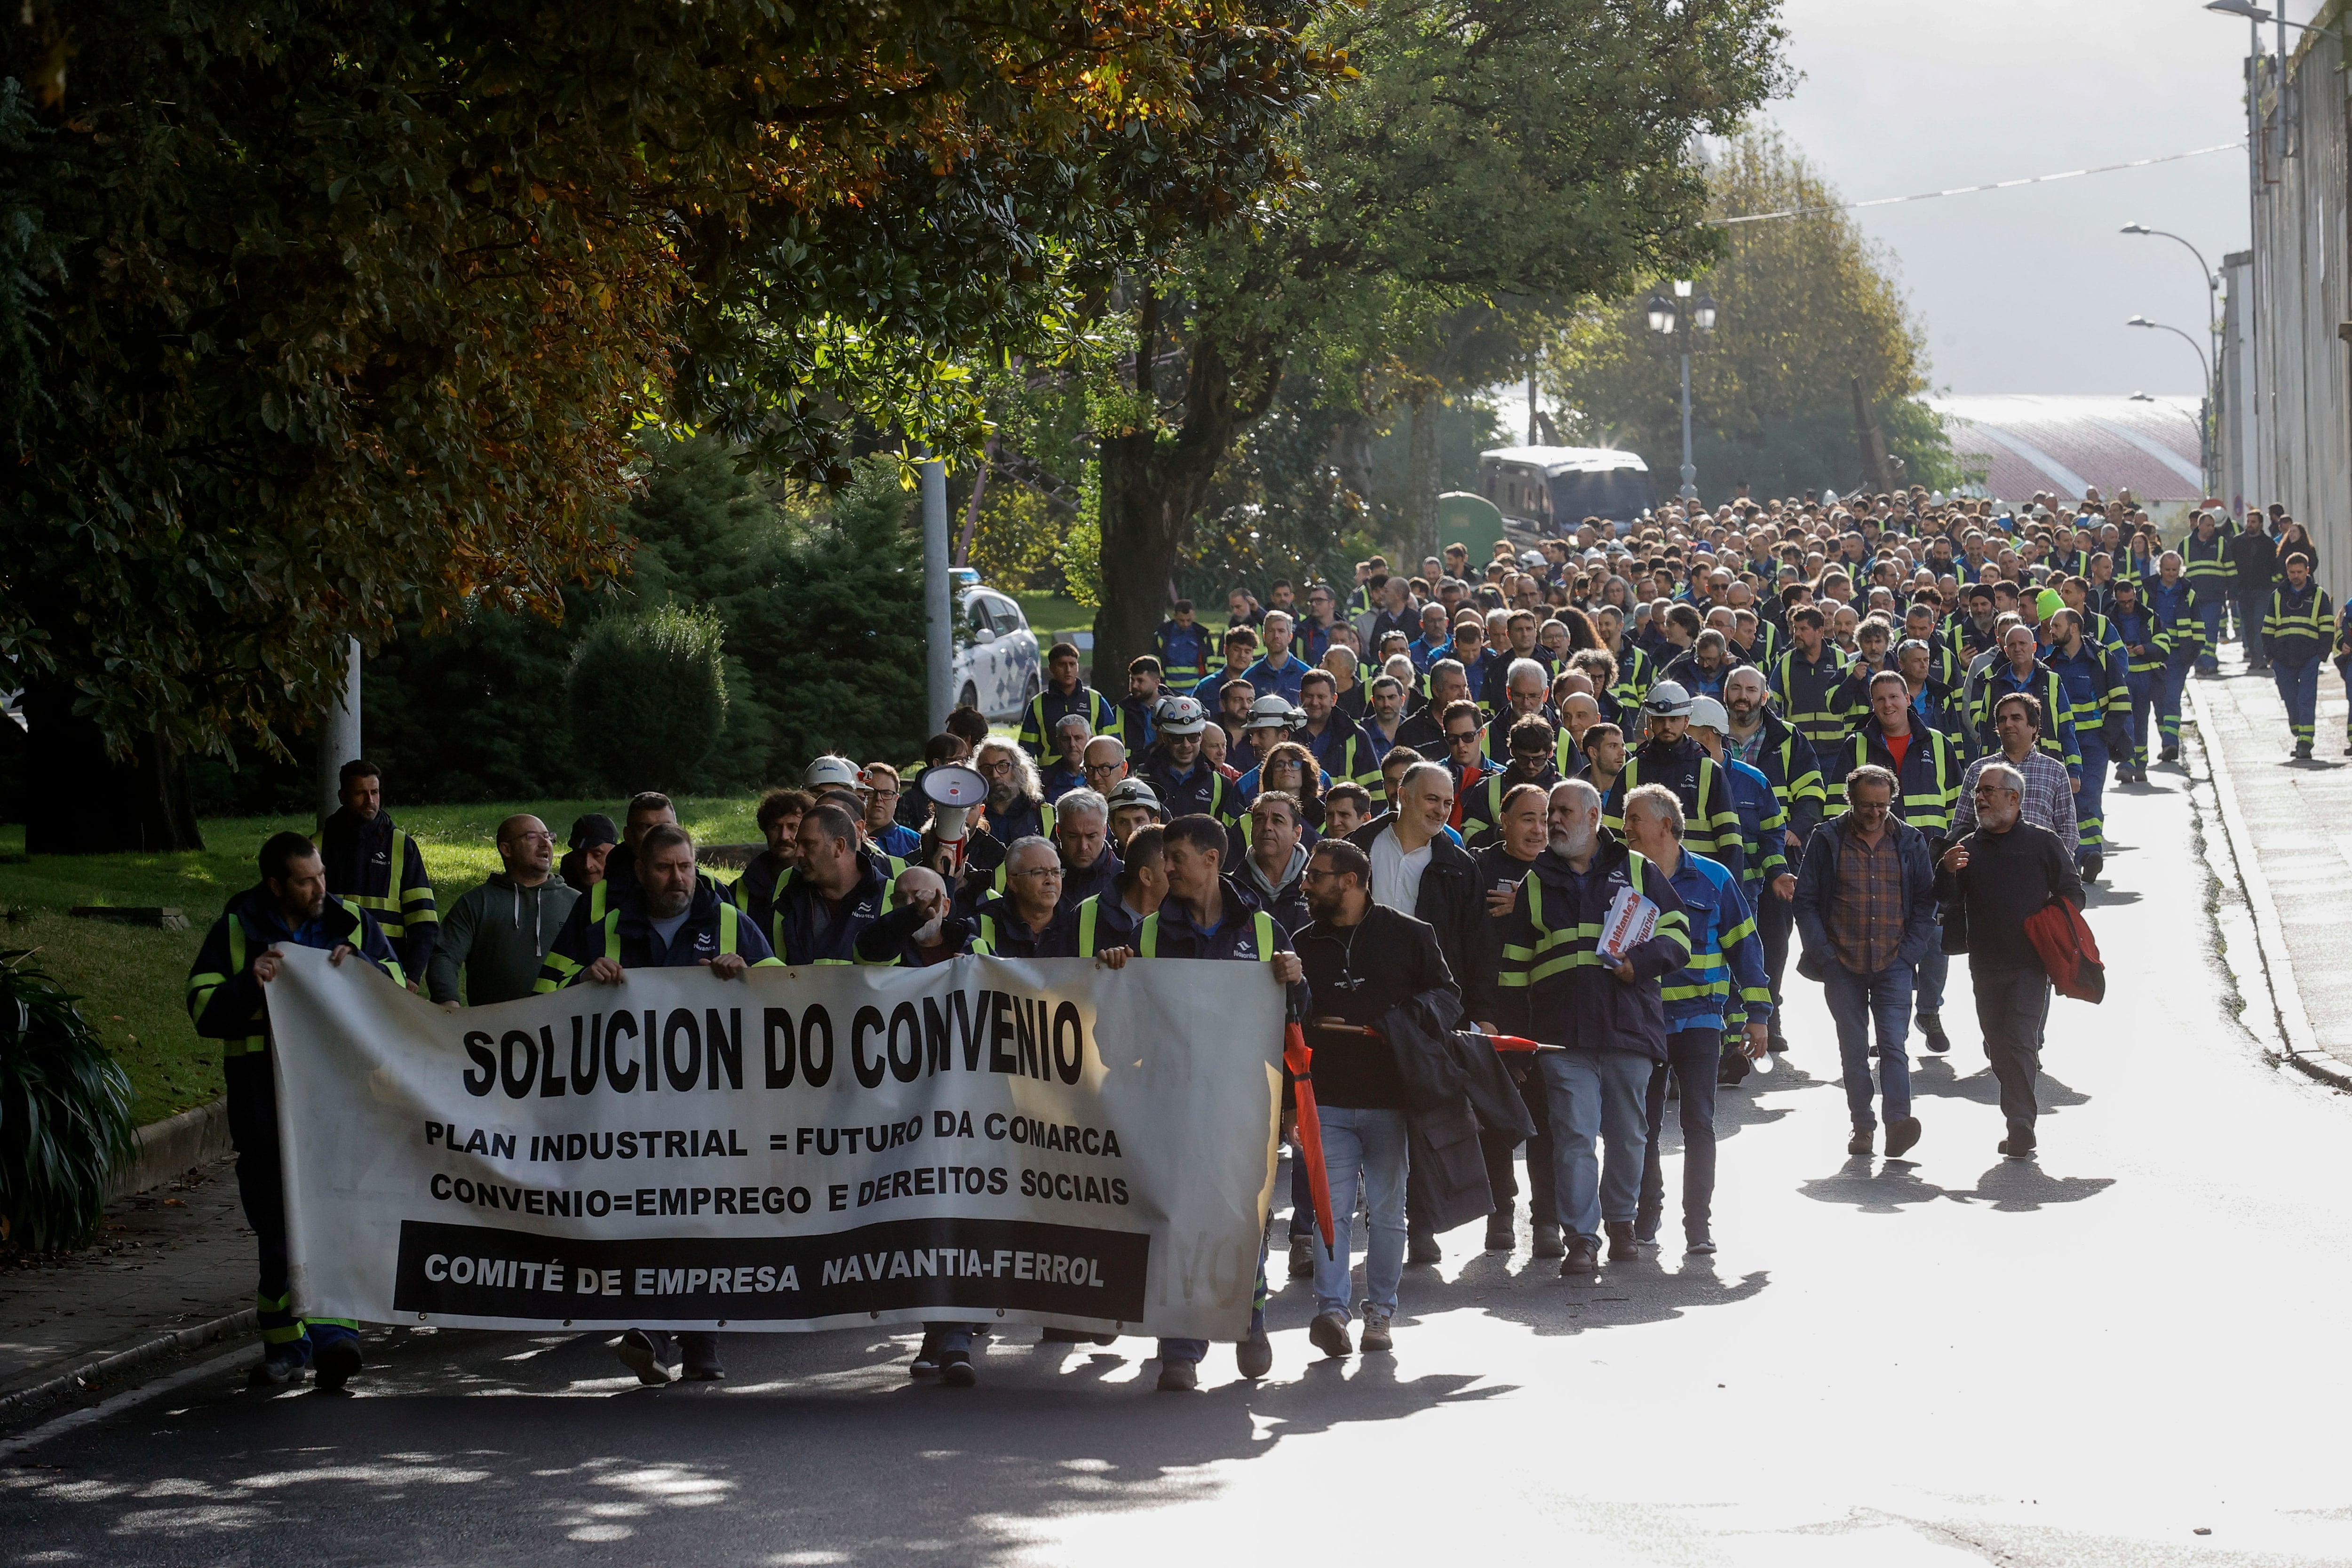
58, 1426
172, 1146
82, 1379
2303, 1048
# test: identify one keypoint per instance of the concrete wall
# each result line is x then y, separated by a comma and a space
2301, 451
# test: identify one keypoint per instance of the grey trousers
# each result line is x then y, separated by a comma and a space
2011, 1004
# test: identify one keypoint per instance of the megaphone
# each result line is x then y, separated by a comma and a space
953, 791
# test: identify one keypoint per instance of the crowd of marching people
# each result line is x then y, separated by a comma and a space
1590, 800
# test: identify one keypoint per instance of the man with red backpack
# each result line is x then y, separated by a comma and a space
1996, 881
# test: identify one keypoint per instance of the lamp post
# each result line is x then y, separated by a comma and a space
2212, 334
1663, 314
2204, 442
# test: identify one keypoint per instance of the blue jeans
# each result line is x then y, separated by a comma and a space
1693, 1056
1596, 1094
1927, 979
947, 1337
2253, 605
1855, 1001
2298, 688
1369, 1145
1193, 1350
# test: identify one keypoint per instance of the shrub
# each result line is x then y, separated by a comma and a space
65, 1113
648, 697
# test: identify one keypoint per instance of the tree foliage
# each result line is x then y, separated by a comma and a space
1806, 305
341, 315
65, 1113
1489, 151
648, 694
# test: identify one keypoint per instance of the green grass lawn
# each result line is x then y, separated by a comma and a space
1052, 613
133, 979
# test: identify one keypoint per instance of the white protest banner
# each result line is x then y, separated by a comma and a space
1043, 1142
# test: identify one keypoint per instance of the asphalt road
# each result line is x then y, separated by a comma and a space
2119, 1354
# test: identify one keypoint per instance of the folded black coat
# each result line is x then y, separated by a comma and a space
1455, 1083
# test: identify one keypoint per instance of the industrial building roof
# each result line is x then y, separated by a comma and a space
2025, 443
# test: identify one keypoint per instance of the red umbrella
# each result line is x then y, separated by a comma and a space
1299, 1057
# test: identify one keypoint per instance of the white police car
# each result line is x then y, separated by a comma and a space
997, 666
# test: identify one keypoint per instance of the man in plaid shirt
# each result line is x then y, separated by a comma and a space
2049, 794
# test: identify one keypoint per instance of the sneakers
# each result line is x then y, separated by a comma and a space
333, 1365
1329, 1333
1421, 1248
1901, 1134
1302, 1256
1179, 1376
281, 1366
1500, 1231
636, 1352
1377, 1338
1645, 1229
1862, 1142
1582, 1257
1701, 1246
955, 1370
1546, 1239
1622, 1247
1931, 1031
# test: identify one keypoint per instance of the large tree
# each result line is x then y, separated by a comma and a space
1806, 308
321, 315
1540, 149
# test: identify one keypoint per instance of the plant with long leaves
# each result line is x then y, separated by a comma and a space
65, 1113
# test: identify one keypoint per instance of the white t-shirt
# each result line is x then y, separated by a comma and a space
1396, 875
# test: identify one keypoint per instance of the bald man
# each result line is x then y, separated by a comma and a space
497, 934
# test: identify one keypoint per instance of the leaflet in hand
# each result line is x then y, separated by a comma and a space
1632, 919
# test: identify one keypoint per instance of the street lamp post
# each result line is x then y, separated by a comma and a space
2205, 441
2204, 422
1663, 314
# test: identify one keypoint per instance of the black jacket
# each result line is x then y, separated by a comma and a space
1449, 900
1455, 1084
2009, 876
793, 929
1360, 974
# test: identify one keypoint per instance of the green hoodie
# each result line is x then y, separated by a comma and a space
499, 934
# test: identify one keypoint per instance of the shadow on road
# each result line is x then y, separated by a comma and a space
1936, 1077
819, 1451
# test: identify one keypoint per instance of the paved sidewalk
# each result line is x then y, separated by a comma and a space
2293, 821
172, 1258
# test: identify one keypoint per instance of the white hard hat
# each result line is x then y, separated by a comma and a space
1667, 700
830, 772
1707, 713
1181, 715
1273, 712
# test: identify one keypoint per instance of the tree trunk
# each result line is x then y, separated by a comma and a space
971, 507
1153, 483
1421, 482
83, 801
1351, 455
